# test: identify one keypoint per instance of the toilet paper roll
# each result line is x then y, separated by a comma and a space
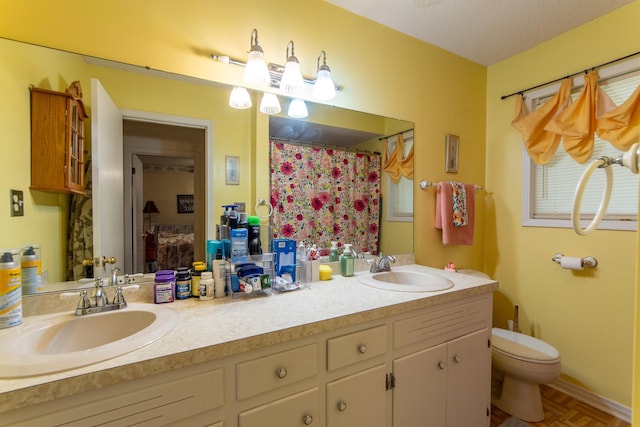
571, 263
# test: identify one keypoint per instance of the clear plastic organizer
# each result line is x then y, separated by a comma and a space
251, 284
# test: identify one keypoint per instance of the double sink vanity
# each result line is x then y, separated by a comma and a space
408, 347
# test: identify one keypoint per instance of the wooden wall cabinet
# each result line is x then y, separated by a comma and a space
57, 140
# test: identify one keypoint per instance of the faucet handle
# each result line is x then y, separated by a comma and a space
119, 296
84, 300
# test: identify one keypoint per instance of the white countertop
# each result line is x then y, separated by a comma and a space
215, 329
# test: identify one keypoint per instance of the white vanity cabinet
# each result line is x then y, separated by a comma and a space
430, 366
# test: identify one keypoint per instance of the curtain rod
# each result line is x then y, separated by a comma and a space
570, 75
318, 145
398, 133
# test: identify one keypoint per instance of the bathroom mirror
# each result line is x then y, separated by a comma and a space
233, 132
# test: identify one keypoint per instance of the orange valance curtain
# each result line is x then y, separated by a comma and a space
576, 123
395, 163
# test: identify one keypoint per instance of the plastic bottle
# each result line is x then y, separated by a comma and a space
206, 290
164, 287
347, 261
183, 283
10, 289
333, 252
31, 266
301, 254
255, 245
196, 275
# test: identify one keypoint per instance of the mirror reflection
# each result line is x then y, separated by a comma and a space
170, 125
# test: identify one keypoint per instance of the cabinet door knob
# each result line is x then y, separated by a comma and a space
441, 365
342, 406
456, 358
281, 373
362, 349
307, 419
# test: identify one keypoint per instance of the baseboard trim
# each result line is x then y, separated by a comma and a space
609, 406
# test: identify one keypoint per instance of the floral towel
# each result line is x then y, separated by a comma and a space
460, 217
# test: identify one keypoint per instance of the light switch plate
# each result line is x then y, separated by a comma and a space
17, 203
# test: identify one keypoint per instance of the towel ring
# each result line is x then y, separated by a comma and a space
263, 202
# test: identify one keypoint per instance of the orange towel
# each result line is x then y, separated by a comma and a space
451, 234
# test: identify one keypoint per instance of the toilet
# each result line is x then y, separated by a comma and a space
520, 364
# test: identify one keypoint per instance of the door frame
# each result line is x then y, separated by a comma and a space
130, 220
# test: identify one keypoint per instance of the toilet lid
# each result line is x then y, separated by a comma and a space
523, 346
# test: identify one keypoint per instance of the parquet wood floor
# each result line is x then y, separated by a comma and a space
561, 410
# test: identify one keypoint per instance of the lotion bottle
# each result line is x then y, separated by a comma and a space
347, 261
333, 252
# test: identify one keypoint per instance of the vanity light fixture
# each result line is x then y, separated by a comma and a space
256, 71
291, 82
297, 109
270, 104
240, 98
323, 89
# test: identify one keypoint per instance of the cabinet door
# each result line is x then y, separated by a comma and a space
469, 382
301, 409
420, 393
358, 400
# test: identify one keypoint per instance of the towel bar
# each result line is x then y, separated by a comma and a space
424, 184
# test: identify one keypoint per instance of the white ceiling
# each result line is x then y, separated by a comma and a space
484, 31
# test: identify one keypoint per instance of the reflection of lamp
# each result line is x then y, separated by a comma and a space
150, 208
240, 99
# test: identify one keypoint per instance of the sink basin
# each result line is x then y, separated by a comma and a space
406, 281
66, 341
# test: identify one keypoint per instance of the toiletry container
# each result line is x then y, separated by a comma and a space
206, 291
347, 261
164, 287
255, 245
183, 283
10, 289
31, 266
196, 275
333, 252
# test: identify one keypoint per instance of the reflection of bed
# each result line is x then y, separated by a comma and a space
175, 246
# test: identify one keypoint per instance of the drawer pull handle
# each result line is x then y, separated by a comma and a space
307, 419
441, 365
362, 349
456, 359
342, 406
281, 373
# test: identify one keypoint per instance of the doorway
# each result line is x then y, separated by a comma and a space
160, 145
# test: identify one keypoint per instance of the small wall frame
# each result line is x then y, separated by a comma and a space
185, 203
451, 153
232, 170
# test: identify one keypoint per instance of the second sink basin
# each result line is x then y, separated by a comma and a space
65, 341
406, 280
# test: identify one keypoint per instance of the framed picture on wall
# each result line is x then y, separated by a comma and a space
451, 156
233, 174
185, 203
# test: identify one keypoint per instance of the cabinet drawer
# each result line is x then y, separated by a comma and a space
356, 347
301, 409
267, 373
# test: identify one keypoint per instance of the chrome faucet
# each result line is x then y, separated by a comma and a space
101, 301
383, 264
114, 276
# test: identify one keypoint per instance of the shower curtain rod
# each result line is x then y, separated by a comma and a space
570, 75
317, 145
398, 133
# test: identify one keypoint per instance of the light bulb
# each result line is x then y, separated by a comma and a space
324, 89
270, 104
297, 109
256, 71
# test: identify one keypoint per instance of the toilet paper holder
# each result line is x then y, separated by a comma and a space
587, 262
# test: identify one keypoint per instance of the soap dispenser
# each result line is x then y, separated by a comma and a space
347, 261
333, 252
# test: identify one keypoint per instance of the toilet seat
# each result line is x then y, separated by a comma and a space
523, 347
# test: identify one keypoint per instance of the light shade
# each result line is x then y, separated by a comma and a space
324, 89
150, 207
256, 71
270, 104
297, 109
240, 98
292, 82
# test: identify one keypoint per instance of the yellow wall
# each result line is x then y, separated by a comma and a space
587, 316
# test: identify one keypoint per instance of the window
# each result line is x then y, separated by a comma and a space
548, 190
399, 201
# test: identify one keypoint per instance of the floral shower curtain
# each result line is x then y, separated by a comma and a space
321, 195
